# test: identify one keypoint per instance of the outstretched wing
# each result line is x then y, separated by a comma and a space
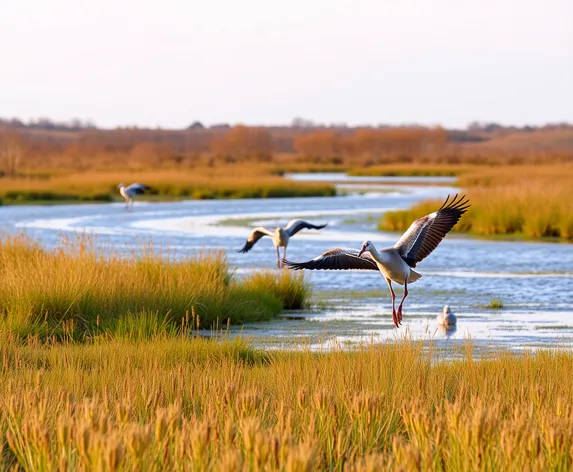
137, 188
337, 259
255, 235
294, 226
424, 234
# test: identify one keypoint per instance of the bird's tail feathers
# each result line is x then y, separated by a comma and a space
414, 276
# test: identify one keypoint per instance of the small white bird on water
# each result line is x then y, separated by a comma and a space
128, 193
280, 236
447, 318
395, 263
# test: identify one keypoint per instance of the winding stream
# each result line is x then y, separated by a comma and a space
533, 280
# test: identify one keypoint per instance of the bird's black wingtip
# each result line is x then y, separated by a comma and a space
460, 203
292, 265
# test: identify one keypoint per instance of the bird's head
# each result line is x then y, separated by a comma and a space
120, 186
447, 310
367, 246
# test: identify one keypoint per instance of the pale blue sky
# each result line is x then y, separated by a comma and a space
169, 62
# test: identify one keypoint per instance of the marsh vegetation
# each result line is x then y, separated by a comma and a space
527, 202
102, 361
82, 292
189, 404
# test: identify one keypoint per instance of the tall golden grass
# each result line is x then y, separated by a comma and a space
530, 202
205, 183
78, 292
413, 170
180, 404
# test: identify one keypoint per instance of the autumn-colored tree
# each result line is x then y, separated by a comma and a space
243, 142
11, 150
150, 153
318, 145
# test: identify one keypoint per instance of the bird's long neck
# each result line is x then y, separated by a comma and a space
379, 256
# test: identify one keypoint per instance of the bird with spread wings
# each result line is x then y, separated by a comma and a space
280, 236
395, 263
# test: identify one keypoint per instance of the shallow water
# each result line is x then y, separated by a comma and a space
533, 280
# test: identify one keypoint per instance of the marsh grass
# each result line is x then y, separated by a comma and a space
413, 170
288, 286
182, 404
495, 304
198, 184
79, 290
530, 203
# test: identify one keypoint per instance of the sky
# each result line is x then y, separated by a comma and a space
169, 62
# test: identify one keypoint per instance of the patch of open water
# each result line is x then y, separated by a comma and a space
533, 280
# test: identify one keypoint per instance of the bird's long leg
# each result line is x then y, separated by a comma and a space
278, 258
394, 319
284, 254
399, 314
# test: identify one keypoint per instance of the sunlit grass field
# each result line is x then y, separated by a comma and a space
413, 170
176, 403
102, 367
528, 202
198, 184
77, 292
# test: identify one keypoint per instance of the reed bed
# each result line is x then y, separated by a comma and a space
77, 291
532, 203
181, 404
413, 170
198, 184
290, 287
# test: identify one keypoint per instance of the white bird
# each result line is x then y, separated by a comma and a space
447, 318
128, 193
395, 263
280, 236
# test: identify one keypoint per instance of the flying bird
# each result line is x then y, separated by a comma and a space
280, 236
128, 193
395, 263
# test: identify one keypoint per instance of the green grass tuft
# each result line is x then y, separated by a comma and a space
75, 291
288, 286
495, 304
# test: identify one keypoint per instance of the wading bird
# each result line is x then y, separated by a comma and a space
396, 263
128, 193
280, 236
447, 318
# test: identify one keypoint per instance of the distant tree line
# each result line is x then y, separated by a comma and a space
83, 146
75, 124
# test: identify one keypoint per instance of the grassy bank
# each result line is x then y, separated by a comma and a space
413, 170
206, 183
75, 292
531, 203
180, 404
